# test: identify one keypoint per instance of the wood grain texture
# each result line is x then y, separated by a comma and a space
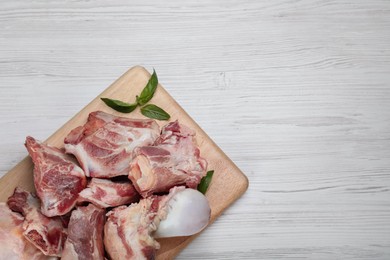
296, 93
228, 184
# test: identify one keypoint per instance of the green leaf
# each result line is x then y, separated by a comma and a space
205, 182
119, 105
155, 112
148, 91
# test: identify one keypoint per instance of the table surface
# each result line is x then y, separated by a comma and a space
296, 93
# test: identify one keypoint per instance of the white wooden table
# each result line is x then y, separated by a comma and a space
297, 93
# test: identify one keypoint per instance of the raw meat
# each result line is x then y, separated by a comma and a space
127, 232
104, 145
106, 193
57, 179
47, 234
85, 234
173, 160
13, 245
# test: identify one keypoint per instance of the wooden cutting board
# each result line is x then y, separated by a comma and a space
228, 183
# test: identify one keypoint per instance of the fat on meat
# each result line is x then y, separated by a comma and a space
46, 234
13, 245
173, 160
85, 234
104, 145
57, 179
106, 193
128, 230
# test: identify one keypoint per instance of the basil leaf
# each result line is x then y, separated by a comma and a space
155, 112
148, 91
119, 105
205, 182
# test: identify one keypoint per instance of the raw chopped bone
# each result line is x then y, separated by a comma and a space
47, 234
173, 160
85, 234
57, 179
104, 145
107, 193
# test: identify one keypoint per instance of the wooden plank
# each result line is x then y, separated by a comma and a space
228, 184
